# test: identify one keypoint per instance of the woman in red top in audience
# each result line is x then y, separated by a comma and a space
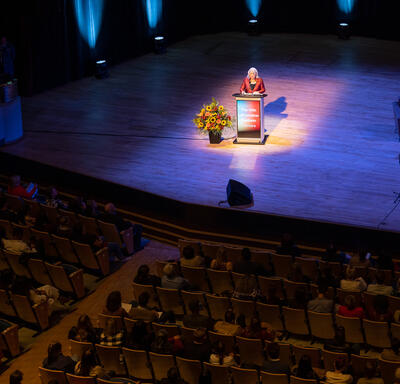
15, 188
349, 308
252, 83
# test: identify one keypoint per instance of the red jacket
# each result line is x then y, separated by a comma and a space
259, 87
21, 191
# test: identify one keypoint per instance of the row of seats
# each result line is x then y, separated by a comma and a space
9, 341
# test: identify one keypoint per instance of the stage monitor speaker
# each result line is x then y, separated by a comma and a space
238, 194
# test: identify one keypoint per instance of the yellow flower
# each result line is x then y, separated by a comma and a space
213, 119
202, 111
201, 124
221, 107
208, 108
223, 122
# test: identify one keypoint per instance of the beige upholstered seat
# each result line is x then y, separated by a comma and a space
352, 327
37, 314
71, 215
227, 340
329, 358
291, 287
6, 306
26, 231
97, 261
89, 224
388, 369
251, 351
220, 281
285, 352
39, 271
314, 353
336, 268
321, 325
187, 334
275, 378
138, 289
341, 296
295, 321
244, 376
358, 364
9, 337
394, 303
172, 330
65, 250
388, 275
34, 207
19, 269
309, 267
233, 254
210, 250
197, 277
189, 370
111, 234
170, 300
51, 213
6, 225
188, 296
262, 258
297, 380
218, 306
78, 348
47, 375
119, 323
220, 374
270, 314
74, 379
271, 283
281, 264
72, 283
161, 364
47, 242
245, 307
137, 364
160, 264
376, 333
110, 358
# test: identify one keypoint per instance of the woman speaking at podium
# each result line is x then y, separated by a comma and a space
252, 83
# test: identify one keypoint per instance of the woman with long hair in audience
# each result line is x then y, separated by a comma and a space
56, 360
144, 277
349, 309
219, 357
351, 282
255, 331
337, 376
86, 330
111, 335
88, 366
166, 345
114, 305
304, 369
221, 262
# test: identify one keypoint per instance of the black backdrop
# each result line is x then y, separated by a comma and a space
51, 52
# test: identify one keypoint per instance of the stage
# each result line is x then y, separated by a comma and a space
332, 152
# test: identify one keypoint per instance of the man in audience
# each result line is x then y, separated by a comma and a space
379, 288
56, 360
144, 277
246, 266
195, 320
227, 327
171, 279
142, 311
189, 259
274, 364
16, 377
321, 304
199, 348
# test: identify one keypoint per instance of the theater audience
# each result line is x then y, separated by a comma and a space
221, 262
111, 335
86, 330
189, 259
321, 304
16, 377
166, 345
255, 331
304, 369
16, 189
228, 326
349, 309
219, 357
288, 246
88, 366
337, 376
351, 282
144, 277
392, 354
370, 375
380, 309
53, 199
332, 254
247, 266
56, 360
379, 288
172, 280
114, 305
195, 319
142, 311
360, 259
199, 348
274, 364
141, 336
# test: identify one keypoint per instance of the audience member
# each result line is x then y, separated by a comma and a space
351, 282
246, 266
349, 309
86, 330
173, 377
370, 375
332, 254
16, 245
255, 331
189, 259
337, 375
392, 354
219, 357
304, 369
199, 348
53, 199
221, 262
56, 360
195, 319
88, 366
380, 310
16, 189
114, 305
246, 288
379, 288
171, 279
288, 247
111, 335
16, 377
166, 345
274, 364
140, 337
227, 327
142, 311
360, 259
321, 304
144, 277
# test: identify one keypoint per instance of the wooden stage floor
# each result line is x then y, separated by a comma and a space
332, 152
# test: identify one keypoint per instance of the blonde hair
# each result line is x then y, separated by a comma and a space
254, 70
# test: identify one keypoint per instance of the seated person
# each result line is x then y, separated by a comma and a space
114, 305
195, 319
360, 259
338, 375
219, 357
16, 377
167, 317
220, 262
141, 336
321, 304
88, 366
189, 259
166, 345
379, 288
393, 353
288, 247
144, 277
349, 308
246, 266
351, 282
15, 188
56, 360
380, 310
274, 364
172, 377
246, 288
142, 311
370, 375
227, 327
172, 280
304, 369
111, 336
53, 199
86, 331
255, 331
332, 254
199, 348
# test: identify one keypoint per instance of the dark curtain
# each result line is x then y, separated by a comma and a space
51, 51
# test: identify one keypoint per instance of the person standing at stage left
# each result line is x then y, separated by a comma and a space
7, 56
252, 83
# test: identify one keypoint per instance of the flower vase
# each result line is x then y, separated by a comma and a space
215, 137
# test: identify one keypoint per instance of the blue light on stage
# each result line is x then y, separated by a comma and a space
153, 11
254, 6
346, 6
89, 14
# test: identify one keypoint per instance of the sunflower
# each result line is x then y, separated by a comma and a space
213, 119
208, 108
201, 124
223, 122
221, 107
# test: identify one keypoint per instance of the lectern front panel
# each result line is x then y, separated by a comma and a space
248, 118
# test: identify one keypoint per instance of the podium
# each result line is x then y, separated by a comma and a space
250, 118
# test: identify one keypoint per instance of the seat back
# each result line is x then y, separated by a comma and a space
341, 296
47, 375
13, 260
64, 248
137, 364
170, 300
24, 308
329, 358
6, 225
244, 376
267, 284
262, 258
196, 245
388, 275
227, 340
172, 330
321, 325
161, 364
285, 352
219, 373
47, 242
39, 271
210, 250
388, 370
220, 281
218, 306
298, 380
233, 254
188, 296
197, 278
9, 337
187, 334
276, 378
51, 213
110, 232
291, 287
376, 333
110, 358
270, 314
119, 324
138, 289
60, 277
189, 370
73, 219
89, 224
395, 329
78, 348
74, 379
394, 303
313, 353
309, 267
358, 364
160, 264
368, 300
251, 351
245, 307
281, 264
3, 262
86, 256
128, 240
295, 321
6, 306
352, 327
26, 233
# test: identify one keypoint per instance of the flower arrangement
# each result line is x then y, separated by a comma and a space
212, 118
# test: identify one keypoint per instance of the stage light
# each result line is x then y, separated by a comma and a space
89, 14
346, 6
343, 31
153, 12
101, 71
159, 45
253, 27
254, 6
